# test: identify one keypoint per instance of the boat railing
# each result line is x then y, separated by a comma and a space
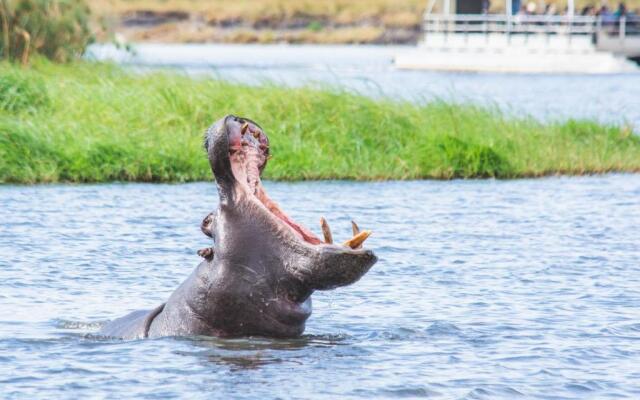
626, 25
531, 24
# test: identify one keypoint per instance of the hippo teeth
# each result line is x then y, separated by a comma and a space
326, 231
357, 240
355, 228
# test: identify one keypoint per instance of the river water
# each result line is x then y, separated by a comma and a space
369, 70
484, 290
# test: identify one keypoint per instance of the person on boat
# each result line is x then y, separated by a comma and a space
588, 10
621, 11
605, 15
486, 5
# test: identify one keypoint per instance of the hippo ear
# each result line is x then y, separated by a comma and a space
217, 146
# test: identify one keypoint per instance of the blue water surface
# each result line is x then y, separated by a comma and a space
484, 290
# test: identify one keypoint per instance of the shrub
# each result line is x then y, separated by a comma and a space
57, 29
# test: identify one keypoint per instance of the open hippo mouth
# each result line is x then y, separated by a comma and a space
249, 153
248, 149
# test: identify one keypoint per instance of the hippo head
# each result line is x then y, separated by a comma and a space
266, 265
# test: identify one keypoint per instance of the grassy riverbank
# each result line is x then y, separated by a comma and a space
94, 122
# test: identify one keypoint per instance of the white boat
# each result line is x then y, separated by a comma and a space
522, 43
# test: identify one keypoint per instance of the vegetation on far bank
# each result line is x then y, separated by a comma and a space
392, 12
61, 29
270, 21
260, 21
86, 122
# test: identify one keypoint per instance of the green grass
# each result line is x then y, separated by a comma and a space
88, 122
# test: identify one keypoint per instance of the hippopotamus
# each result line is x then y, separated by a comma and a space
258, 278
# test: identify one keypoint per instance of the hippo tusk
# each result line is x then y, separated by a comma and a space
357, 240
244, 128
355, 228
326, 231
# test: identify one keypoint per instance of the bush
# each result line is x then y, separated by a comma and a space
57, 29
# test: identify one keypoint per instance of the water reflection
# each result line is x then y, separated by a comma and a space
250, 353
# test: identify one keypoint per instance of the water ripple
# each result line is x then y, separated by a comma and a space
506, 289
